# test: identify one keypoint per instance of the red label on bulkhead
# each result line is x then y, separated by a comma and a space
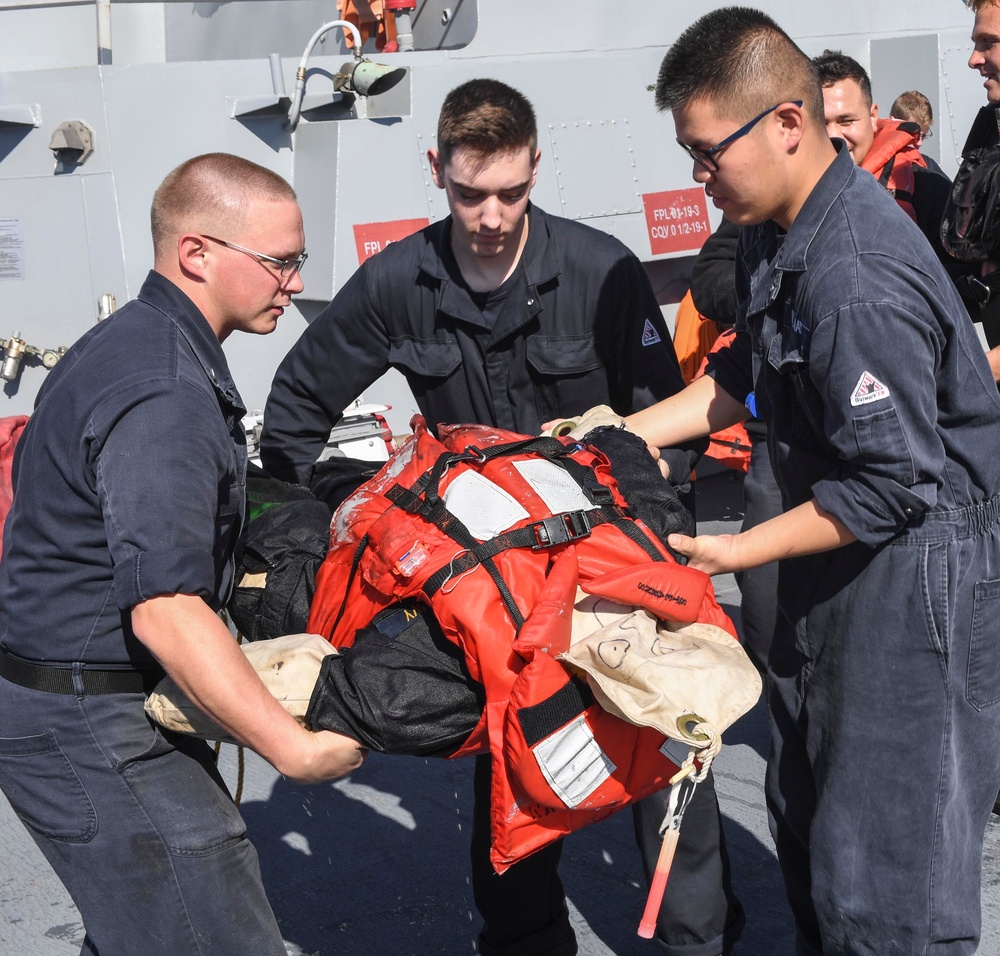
373, 237
677, 220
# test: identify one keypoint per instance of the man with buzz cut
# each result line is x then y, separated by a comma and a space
883, 673
505, 315
129, 483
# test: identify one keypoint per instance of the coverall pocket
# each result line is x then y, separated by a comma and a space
562, 356
982, 686
882, 445
181, 793
44, 789
423, 358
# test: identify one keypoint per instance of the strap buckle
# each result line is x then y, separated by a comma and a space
560, 529
976, 289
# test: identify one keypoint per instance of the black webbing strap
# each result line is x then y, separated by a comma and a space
632, 531
566, 704
548, 532
883, 179
94, 679
438, 515
549, 448
531, 537
355, 563
433, 510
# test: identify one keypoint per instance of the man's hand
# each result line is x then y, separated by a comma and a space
806, 529
325, 755
711, 553
197, 650
600, 415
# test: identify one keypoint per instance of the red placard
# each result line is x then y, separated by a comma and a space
372, 237
677, 220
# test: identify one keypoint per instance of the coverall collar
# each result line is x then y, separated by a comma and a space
160, 293
538, 262
795, 246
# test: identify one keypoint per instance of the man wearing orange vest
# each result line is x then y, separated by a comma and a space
887, 148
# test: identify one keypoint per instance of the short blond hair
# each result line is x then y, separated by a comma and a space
208, 192
914, 106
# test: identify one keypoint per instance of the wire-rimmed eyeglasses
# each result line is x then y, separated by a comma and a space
706, 157
286, 267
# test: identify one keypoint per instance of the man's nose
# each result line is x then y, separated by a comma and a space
491, 213
700, 174
293, 285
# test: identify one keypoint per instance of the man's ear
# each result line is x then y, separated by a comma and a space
193, 254
792, 121
437, 167
874, 117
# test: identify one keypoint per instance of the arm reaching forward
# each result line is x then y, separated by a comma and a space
199, 652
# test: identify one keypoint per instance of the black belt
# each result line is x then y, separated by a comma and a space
58, 678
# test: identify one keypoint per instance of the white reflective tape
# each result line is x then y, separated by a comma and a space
573, 763
483, 507
553, 485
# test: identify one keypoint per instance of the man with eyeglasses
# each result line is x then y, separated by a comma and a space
913, 107
884, 669
503, 314
117, 557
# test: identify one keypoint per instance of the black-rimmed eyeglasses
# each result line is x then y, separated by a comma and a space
286, 267
706, 157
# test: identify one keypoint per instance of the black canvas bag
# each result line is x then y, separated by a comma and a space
285, 536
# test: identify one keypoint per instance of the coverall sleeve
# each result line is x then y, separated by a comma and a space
732, 366
158, 475
880, 411
645, 368
713, 276
336, 358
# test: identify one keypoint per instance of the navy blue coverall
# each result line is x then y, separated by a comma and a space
578, 326
884, 672
128, 483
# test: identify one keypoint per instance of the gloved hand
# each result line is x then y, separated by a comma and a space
576, 428
600, 416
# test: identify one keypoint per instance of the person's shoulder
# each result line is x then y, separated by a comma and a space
933, 166
984, 131
930, 179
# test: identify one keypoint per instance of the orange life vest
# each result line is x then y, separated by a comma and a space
694, 335
371, 21
504, 594
893, 154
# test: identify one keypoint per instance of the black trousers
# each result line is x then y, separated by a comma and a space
524, 910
